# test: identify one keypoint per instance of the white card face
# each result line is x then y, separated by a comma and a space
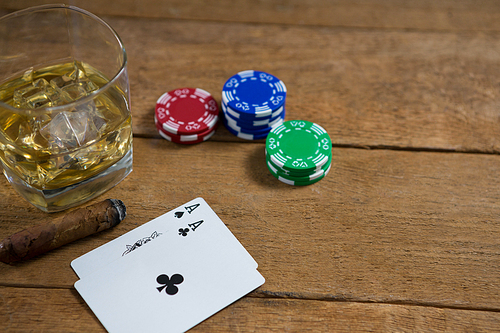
189, 221
170, 285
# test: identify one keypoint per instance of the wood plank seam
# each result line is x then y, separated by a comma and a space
303, 297
341, 298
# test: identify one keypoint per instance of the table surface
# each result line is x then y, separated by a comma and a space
402, 235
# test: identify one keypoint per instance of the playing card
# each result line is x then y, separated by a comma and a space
170, 285
189, 221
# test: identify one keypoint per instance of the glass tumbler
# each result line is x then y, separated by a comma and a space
65, 121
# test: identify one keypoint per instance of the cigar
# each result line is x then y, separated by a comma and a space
74, 225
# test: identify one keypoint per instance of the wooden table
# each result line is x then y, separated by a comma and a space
401, 236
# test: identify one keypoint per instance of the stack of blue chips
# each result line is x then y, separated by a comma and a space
253, 103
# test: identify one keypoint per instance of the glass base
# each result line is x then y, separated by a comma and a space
76, 194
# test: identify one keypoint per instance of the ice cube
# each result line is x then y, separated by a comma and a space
61, 81
93, 109
38, 120
78, 71
28, 75
69, 130
89, 86
74, 91
87, 157
25, 135
39, 94
74, 84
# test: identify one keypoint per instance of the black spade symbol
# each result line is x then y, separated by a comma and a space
179, 214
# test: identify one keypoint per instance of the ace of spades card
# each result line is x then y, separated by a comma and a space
192, 270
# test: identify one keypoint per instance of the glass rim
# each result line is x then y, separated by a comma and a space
91, 95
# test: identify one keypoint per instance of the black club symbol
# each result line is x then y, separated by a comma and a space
169, 283
183, 232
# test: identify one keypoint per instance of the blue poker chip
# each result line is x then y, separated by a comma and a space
252, 121
253, 131
255, 125
254, 93
245, 135
248, 117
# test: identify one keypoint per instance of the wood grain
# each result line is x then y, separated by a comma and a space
394, 14
384, 226
410, 90
58, 310
400, 237
414, 90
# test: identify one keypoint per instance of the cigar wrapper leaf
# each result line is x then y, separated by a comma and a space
76, 224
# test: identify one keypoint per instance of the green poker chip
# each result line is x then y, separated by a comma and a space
297, 177
298, 152
299, 146
288, 181
299, 173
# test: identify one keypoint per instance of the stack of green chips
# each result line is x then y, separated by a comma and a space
298, 152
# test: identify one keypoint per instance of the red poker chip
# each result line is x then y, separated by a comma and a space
186, 111
186, 139
171, 137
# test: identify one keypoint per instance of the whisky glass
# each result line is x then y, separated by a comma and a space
65, 119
